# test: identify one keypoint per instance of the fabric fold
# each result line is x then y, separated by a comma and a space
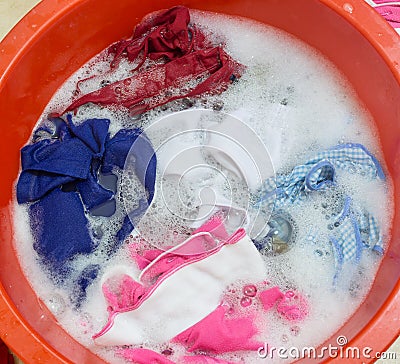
178, 288
164, 83
188, 65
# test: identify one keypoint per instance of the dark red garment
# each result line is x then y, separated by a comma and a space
5, 356
162, 34
192, 67
164, 83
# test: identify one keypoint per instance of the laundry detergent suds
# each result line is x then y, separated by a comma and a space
199, 190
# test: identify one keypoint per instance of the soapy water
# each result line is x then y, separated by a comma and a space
290, 103
208, 162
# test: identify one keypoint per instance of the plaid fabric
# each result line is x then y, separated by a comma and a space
319, 173
346, 234
353, 228
353, 157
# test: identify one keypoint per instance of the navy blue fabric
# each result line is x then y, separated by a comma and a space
135, 143
117, 149
59, 227
49, 163
45, 165
88, 275
60, 175
125, 230
93, 194
92, 132
131, 219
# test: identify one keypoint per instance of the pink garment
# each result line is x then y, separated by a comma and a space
227, 328
218, 333
391, 12
126, 293
270, 297
292, 305
143, 356
146, 356
123, 293
214, 226
145, 258
204, 359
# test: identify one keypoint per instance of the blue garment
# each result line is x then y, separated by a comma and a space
59, 227
319, 173
135, 144
353, 229
132, 218
93, 194
60, 172
50, 163
86, 278
132, 142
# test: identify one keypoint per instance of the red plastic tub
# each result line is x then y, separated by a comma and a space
57, 37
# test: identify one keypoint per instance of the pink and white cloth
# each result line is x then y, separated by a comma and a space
184, 295
179, 287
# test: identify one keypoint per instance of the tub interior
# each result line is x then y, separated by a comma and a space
83, 28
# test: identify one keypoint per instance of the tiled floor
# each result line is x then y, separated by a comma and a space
13, 10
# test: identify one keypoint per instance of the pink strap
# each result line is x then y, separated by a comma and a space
166, 264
